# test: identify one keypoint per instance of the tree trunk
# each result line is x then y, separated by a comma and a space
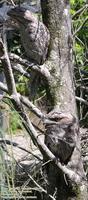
61, 88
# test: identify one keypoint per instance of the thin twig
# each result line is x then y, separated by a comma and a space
13, 3
80, 11
25, 101
83, 79
31, 106
82, 100
14, 144
80, 27
40, 187
82, 87
79, 40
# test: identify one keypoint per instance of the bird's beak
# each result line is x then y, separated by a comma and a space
16, 12
21, 14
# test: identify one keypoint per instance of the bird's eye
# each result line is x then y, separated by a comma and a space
54, 119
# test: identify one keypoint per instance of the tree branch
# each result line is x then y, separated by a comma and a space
31, 106
7, 66
42, 69
20, 69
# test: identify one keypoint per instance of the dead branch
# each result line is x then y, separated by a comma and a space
20, 69
31, 106
15, 58
42, 69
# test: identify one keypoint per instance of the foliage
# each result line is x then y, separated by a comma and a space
22, 85
15, 122
81, 38
80, 51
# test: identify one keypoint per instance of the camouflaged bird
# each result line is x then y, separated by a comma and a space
35, 36
60, 135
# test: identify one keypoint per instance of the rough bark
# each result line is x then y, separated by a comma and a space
61, 87
60, 56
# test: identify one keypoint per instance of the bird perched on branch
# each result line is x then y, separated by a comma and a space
61, 135
34, 34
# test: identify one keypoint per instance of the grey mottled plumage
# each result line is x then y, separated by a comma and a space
60, 136
34, 34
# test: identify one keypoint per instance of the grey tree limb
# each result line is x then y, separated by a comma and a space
42, 69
